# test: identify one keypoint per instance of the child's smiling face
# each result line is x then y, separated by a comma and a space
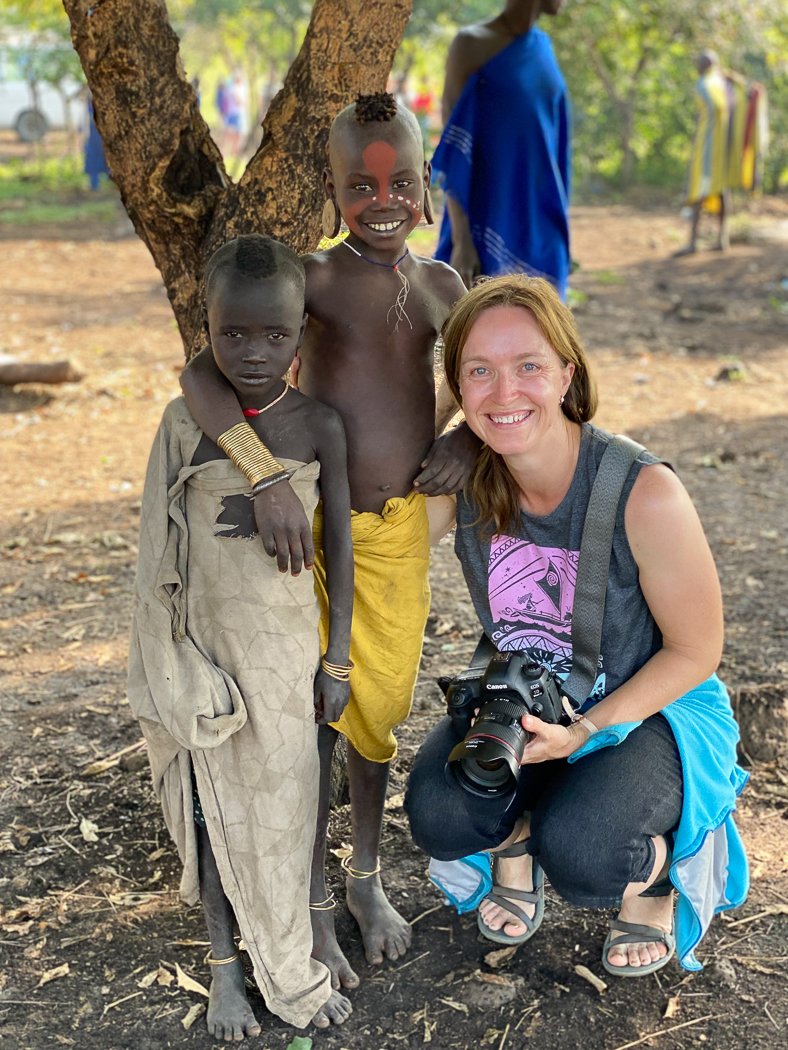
379, 178
256, 326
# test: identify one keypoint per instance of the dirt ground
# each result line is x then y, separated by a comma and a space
691, 359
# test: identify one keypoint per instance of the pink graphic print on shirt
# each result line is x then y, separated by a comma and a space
531, 592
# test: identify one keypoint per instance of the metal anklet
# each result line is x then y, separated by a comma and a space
220, 962
327, 905
354, 873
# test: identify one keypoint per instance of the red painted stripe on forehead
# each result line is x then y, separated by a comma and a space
380, 158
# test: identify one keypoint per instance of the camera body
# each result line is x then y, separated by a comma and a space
487, 760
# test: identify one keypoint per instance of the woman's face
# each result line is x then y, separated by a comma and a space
511, 381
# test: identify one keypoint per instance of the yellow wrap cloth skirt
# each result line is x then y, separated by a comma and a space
392, 598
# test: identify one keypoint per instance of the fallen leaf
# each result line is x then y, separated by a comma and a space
500, 956
193, 1015
54, 974
188, 983
395, 802
148, 979
164, 977
301, 1042
673, 1007
493, 978
89, 830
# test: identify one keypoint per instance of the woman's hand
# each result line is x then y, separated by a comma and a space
549, 741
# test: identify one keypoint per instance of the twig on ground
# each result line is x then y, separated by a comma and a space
666, 1031
410, 962
424, 914
587, 975
504, 1037
775, 909
117, 1002
70, 846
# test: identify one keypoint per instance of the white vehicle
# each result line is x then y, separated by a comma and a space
29, 104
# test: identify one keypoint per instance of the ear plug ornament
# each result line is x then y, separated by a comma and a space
330, 220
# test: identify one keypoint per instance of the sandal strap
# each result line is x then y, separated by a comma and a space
517, 849
634, 933
514, 909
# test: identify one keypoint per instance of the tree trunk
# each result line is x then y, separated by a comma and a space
160, 153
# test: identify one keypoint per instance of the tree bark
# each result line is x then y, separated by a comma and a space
170, 173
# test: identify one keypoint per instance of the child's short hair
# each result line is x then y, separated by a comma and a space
255, 255
380, 108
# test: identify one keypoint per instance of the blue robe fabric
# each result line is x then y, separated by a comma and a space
708, 866
505, 157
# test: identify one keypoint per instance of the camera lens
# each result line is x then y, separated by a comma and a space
487, 761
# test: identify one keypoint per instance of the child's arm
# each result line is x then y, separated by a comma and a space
332, 693
278, 512
449, 463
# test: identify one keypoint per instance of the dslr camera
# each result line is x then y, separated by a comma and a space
487, 760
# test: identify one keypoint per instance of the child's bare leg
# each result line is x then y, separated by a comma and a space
325, 945
383, 930
229, 1016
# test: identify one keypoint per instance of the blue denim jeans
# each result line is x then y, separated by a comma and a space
592, 821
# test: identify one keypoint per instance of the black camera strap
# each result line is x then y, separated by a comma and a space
596, 547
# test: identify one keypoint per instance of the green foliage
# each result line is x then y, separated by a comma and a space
50, 190
40, 38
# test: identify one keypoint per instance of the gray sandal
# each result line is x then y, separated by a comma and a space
502, 896
635, 933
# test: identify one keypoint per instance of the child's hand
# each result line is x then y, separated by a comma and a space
449, 462
284, 529
331, 697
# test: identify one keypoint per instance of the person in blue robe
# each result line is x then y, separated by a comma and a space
504, 158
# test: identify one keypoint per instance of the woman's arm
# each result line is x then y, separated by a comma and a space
278, 512
331, 694
679, 581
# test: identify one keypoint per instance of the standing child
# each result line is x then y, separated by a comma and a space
225, 650
375, 312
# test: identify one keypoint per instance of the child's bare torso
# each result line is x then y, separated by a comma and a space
379, 380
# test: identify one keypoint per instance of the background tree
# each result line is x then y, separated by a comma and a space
170, 173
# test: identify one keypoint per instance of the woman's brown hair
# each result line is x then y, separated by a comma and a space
491, 487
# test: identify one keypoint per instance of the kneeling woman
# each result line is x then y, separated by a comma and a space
634, 799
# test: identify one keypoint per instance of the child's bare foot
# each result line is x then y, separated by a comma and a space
229, 1015
335, 1010
325, 948
386, 935
644, 911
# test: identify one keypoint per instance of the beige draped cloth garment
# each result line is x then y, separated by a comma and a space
222, 659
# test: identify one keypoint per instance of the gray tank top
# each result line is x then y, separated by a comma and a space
523, 586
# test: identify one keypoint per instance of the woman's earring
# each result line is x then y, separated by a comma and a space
330, 220
562, 400
428, 215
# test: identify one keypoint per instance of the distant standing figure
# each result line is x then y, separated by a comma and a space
95, 161
730, 139
504, 157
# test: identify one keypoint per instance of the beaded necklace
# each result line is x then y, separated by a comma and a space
398, 306
250, 413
